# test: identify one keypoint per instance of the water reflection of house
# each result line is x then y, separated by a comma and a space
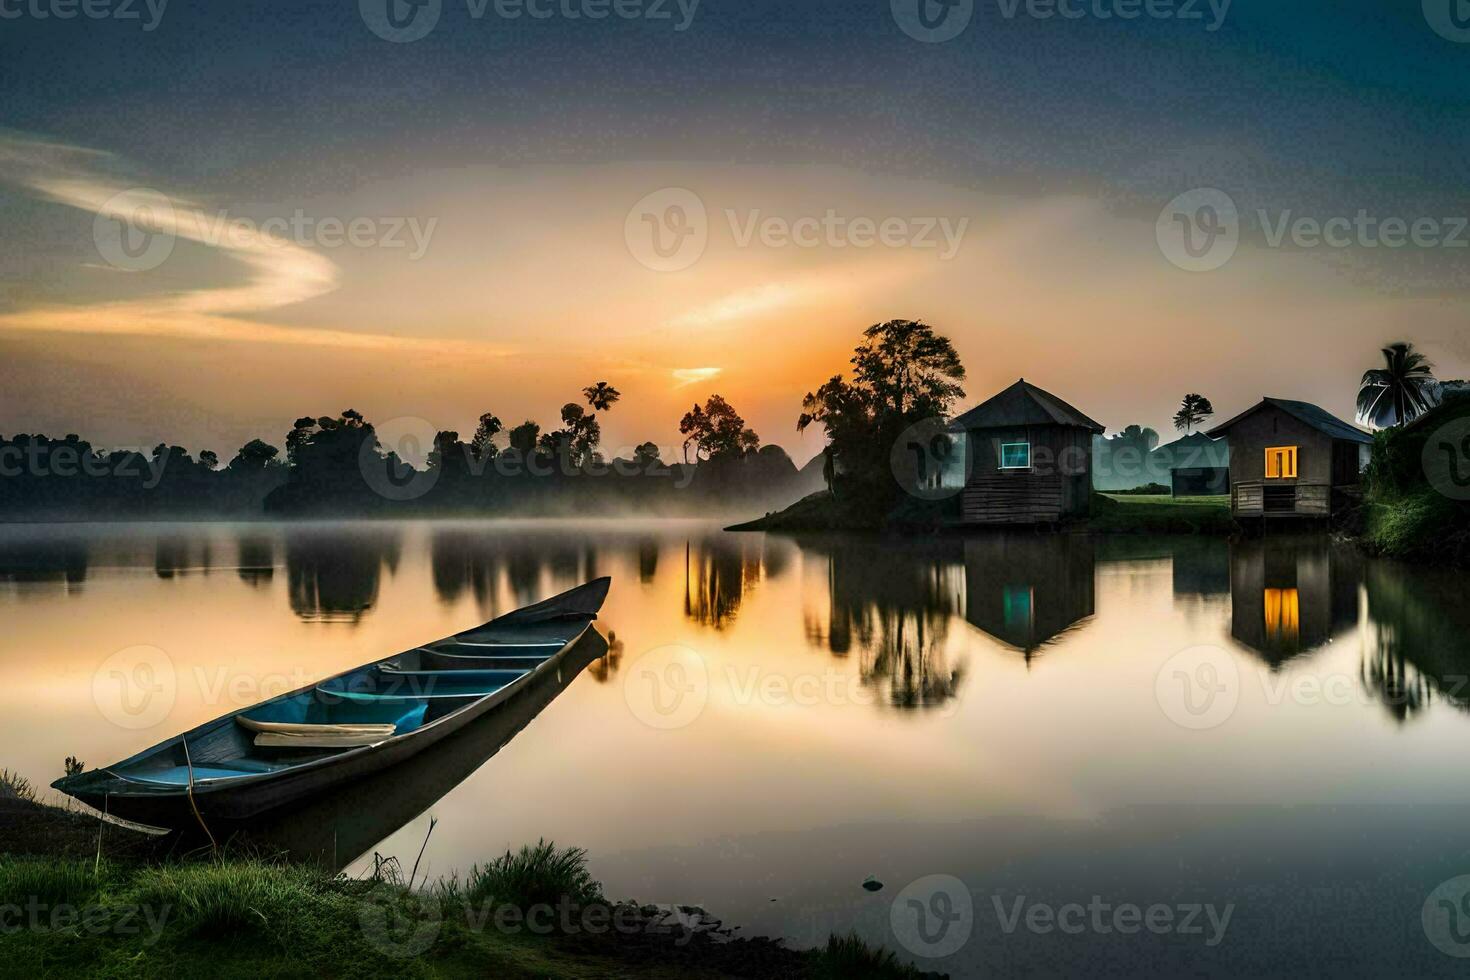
1027, 589
1291, 595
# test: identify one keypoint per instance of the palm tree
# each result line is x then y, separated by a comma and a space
1193, 410
601, 396
1400, 391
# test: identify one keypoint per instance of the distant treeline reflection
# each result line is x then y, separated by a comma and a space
902, 611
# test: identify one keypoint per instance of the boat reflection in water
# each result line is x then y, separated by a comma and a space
336, 829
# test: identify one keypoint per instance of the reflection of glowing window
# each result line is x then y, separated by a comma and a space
1281, 463
1015, 455
1016, 606
1283, 616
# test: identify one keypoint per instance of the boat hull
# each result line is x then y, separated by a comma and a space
235, 801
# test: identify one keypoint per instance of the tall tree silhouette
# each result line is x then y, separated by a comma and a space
601, 396
483, 444
692, 426
524, 437
903, 373
1193, 410
717, 430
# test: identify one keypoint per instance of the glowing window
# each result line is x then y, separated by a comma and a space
1283, 617
1281, 463
1017, 603
1015, 455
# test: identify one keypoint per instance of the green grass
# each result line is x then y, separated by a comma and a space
220, 898
848, 956
1159, 514
47, 881
1419, 523
15, 786
250, 916
538, 875
1403, 514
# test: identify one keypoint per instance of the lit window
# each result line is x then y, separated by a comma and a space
1283, 617
1281, 463
1015, 455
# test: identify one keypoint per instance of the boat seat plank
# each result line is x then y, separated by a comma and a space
306, 728
326, 740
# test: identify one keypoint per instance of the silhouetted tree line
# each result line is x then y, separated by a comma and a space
44, 478
338, 466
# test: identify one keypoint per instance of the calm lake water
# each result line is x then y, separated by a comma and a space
993, 727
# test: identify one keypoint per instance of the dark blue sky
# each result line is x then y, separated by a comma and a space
1309, 99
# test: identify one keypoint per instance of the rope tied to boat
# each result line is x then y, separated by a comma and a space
195, 806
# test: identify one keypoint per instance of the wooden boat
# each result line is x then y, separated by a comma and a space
333, 829
302, 744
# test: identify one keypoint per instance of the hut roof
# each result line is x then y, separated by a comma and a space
1318, 418
1023, 404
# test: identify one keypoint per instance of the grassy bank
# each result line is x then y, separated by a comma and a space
819, 511
1111, 514
534, 913
1159, 514
1408, 510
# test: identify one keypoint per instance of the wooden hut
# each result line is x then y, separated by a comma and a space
1198, 466
1287, 458
1028, 456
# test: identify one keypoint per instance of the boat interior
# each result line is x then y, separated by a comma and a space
393, 697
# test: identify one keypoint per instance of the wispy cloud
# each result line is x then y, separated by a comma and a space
277, 272
689, 376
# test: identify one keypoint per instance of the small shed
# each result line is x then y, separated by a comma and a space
1028, 456
1198, 466
1288, 457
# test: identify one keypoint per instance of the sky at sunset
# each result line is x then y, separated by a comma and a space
808, 167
